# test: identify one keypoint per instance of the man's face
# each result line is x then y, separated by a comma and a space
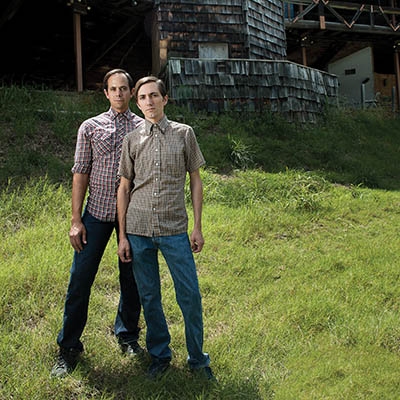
150, 102
118, 92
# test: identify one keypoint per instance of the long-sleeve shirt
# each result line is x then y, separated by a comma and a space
98, 151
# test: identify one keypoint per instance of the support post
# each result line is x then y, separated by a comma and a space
363, 96
304, 56
397, 70
78, 50
321, 16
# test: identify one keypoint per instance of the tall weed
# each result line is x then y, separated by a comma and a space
293, 190
22, 206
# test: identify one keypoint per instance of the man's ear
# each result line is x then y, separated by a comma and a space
165, 100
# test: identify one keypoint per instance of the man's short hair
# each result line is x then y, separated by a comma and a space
117, 71
151, 78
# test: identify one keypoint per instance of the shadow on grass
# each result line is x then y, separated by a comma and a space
129, 381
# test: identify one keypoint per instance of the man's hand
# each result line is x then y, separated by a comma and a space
124, 250
196, 241
77, 236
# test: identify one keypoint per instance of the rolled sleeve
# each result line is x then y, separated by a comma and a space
83, 152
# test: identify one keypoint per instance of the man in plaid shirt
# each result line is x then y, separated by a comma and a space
156, 158
97, 156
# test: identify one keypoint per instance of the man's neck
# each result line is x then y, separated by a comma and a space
154, 121
119, 111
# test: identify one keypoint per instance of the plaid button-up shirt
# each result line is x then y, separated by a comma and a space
157, 158
98, 150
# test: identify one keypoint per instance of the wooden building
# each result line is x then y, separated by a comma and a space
242, 29
231, 55
307, 37
214, 54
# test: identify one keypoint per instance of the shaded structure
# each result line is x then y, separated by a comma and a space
295, 91
322, 32
237, 46
231, 55
59, 43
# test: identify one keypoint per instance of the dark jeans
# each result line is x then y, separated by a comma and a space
83, 271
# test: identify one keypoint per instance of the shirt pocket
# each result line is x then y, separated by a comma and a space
103, 143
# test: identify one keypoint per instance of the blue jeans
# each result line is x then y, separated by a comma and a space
83, 271
178, 255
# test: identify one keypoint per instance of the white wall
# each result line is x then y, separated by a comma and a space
352, 71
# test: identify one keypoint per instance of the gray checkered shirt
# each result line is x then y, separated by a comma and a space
156, 158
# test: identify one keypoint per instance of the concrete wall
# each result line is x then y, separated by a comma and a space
351, 71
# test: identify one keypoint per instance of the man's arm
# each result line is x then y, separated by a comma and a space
77, 233
123, 196
196, 190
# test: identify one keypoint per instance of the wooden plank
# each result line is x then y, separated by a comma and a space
337, 26
78, 50
346, 5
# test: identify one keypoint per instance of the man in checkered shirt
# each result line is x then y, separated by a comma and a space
97, 156
155, 159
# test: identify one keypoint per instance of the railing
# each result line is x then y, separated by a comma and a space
348, 15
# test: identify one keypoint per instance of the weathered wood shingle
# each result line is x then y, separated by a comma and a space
299, 93
253, 75
251, 28
266, 29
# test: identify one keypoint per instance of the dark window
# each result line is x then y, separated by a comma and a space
351, 71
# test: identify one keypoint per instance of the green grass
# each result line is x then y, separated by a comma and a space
38, 132
299, 274
299, 302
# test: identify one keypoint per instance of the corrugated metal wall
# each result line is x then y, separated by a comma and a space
299, 93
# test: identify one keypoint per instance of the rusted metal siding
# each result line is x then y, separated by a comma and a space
297, 92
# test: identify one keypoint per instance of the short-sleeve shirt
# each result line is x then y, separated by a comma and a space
97, 153
157, 157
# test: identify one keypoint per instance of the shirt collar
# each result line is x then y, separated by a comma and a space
162, 125
114, 114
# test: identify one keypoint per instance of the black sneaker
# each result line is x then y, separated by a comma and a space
204, 373
131, 349
157, 368
66, 362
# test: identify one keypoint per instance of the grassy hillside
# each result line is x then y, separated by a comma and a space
299, 274
38, 131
